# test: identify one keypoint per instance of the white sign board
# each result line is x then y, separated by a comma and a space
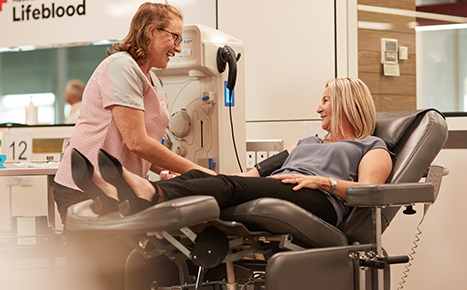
43, 23
17, 144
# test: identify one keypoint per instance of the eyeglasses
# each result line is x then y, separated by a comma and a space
176, 37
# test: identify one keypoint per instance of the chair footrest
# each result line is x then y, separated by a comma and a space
166, 216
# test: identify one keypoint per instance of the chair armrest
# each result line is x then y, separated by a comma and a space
396, 194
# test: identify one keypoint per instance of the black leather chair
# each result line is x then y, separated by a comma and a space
292, 248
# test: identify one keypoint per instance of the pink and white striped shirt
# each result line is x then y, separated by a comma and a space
118, 80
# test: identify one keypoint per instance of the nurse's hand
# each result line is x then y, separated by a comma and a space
166, 174
302, 181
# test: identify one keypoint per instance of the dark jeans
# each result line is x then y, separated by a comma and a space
234, 190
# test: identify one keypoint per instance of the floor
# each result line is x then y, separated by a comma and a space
25, 263
32, 274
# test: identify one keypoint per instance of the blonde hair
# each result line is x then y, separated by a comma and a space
350, 97
149, 16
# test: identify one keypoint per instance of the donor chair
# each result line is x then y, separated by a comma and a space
268, 243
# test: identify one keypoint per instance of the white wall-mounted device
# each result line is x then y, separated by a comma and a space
389, 57
198, 102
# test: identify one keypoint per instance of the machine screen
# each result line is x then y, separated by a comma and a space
229, 100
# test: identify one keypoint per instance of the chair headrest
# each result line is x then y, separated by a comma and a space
391, 126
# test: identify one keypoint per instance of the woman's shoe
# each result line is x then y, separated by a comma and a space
112, 172
82, 171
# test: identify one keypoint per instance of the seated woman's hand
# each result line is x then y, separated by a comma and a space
302, 181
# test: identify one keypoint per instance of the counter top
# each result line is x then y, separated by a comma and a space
27, 171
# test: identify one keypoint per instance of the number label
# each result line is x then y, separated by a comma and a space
22, 155
18, 145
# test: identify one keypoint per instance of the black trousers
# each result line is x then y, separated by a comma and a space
234, 190
65, 197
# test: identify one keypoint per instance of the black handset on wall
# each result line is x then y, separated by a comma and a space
227, 55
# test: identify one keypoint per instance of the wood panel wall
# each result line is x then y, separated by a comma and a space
390, 93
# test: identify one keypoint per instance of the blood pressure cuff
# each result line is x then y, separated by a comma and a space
267, 166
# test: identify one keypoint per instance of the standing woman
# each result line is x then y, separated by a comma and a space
124, 108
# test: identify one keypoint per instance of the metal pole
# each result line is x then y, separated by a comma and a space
376, 212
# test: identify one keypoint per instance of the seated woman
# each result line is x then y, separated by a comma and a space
314, 173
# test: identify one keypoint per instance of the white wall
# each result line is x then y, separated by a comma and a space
289, 56
97, 20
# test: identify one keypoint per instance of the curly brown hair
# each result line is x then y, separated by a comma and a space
149, 16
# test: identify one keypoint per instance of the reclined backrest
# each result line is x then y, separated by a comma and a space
416, 137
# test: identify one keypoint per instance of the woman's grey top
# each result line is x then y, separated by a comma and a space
339, 160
